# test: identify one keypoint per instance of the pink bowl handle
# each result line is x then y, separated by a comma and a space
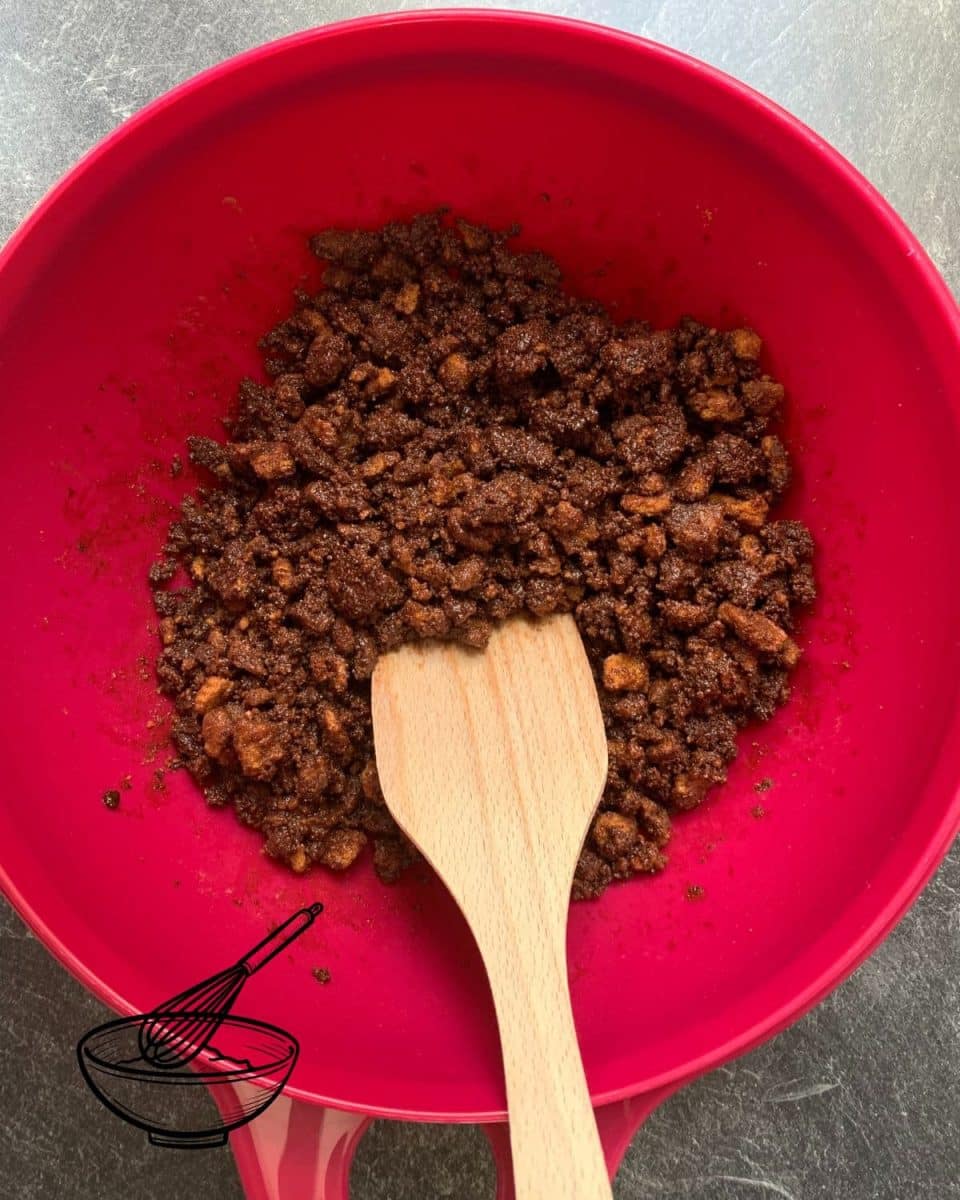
617, 1124
297, 1151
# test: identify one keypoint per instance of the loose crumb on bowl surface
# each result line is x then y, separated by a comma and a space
449, 438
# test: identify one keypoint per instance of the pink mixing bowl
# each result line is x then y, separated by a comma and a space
130, 304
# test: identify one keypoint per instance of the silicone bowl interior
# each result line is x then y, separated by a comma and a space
130, 304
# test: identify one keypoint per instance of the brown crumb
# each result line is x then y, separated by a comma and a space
717, 405
695, 892
624, 673
321, 974
763, 785
758, 811
111, 799
212, 692
272, 460
745, 343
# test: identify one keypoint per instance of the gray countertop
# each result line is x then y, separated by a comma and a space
860, 1100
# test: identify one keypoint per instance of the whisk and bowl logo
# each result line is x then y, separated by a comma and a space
192, 1046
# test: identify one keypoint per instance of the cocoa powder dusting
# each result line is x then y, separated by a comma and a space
448, 439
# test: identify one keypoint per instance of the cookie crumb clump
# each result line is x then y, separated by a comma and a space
449, 439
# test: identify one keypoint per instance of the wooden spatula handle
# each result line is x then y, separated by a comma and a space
493, 765
556, 1148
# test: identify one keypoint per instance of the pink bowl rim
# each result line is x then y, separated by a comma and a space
937, 295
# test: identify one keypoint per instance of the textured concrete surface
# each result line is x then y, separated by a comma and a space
860, 1100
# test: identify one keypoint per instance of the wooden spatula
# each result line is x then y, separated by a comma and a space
493, 762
